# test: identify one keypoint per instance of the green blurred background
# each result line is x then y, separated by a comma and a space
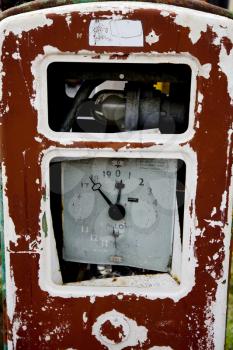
229, 336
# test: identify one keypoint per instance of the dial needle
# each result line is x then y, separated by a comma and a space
116, 211
119, 186
115, 235
97, 187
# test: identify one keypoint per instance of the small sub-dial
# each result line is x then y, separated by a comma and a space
144, 216
81, 205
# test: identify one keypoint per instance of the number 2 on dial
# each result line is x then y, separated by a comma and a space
141, 181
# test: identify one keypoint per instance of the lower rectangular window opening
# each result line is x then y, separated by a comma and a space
117, 217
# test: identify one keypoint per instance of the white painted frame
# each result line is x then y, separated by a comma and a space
39, 69
49, 262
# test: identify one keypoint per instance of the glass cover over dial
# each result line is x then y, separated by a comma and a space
119, 211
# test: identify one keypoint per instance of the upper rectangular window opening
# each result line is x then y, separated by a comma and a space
118, 97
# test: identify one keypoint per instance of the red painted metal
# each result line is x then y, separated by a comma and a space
181, 324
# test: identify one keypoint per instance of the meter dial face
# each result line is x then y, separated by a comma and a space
119, 211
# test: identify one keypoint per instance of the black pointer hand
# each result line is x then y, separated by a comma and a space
116, 211
97, 187
119, 186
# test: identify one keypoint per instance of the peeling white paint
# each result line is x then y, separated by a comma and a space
214, 211
85, 318
226, 66
219, 304
215, 256
209, 323
225, 58
152, 38
120, 296
164, 13
6, 109
224, 202
9, 225
199, 108
38, 139
222, 30
122, 8
92, 299
229, 150
200, 97
16, 325
25, 23
12, 290
131, 334
205, 70
58, 332
68, 19
214, 223
34, 245
160, 348
35, 101
16, 56
196, 27
1, 79
47, 338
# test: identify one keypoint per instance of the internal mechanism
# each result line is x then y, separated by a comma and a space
89, 97
137, 107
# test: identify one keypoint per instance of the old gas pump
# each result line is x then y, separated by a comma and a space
117, 168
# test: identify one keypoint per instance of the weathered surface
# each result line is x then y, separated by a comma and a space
43, 315
27, 6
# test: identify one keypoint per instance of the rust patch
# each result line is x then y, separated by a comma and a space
116, 334
118, 56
